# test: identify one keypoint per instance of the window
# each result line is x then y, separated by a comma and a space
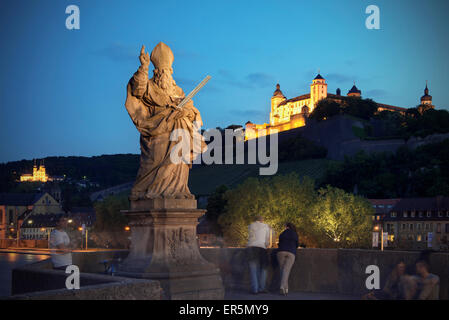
420, 214
403, 226
429, 214
393, 214
418, 226
405, 214
411, 226
419, 238
440, 214
389, 206
447, 228
427, 226
412, 214
438, 227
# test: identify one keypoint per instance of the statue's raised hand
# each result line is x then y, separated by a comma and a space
144, 57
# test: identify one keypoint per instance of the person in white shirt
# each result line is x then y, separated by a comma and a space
258, 241
60, 244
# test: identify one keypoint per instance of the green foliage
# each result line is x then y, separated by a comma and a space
325, 108
360, 108
423, 172
108, 215
215, 207
281, 199
109, 228
300, 148
341, 219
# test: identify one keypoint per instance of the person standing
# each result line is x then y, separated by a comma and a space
60, 243
258, 241
288, 243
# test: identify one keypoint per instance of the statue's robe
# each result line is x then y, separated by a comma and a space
150, 108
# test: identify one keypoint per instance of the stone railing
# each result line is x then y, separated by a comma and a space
339, 271
40, 281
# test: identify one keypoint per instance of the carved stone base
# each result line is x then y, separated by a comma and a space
164, 247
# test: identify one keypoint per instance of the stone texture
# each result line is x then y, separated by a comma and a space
164, 247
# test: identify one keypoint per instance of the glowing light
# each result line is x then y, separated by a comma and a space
127, 228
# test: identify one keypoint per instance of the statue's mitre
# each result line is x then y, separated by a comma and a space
162, 56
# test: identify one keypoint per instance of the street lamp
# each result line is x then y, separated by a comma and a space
380, 228
84, 228
127, 228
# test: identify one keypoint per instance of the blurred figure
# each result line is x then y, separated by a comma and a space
428, 284
288, 243
396, 286
258, 241
60, 243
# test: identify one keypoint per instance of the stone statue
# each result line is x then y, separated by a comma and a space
163, 214
152, 106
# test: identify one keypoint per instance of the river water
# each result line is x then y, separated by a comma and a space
9, 261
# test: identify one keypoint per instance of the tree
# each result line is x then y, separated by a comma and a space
324, 109
342, 219
109, 228
279, 200
216, 204
360, 108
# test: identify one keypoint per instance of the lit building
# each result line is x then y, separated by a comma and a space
415, 223
287, 114
15, 207
38, 174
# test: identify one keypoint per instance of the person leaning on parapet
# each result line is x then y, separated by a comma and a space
258, 241
288, 243
61, 256
395, 286
428, 284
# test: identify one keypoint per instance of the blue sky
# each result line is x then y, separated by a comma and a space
62, 91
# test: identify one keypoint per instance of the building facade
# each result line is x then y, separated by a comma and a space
416, 223
15, 207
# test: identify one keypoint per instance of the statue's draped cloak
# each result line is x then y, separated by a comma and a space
149, 108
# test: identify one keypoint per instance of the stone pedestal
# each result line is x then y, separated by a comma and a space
164, 247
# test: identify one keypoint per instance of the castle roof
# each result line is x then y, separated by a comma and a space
301, 97
278, 92
354, 90
318, 77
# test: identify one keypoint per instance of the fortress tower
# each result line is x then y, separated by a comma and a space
318, 90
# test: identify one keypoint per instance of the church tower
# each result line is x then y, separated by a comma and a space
318, 90
426, 101
277, 98
426, 98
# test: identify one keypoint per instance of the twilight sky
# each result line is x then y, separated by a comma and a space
62, 92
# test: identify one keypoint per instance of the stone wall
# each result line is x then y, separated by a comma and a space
326, 270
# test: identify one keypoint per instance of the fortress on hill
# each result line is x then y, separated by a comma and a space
287, 114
